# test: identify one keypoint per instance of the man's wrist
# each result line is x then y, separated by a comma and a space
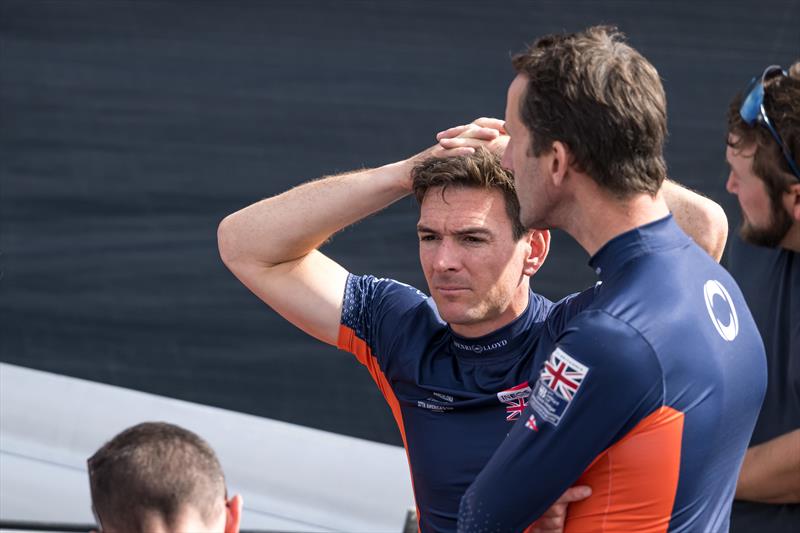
398, 174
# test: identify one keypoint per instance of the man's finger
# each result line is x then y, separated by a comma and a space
575, 494
455, 131
478, 132
454, 152
494, 123
552, 521
470, 130
459, 142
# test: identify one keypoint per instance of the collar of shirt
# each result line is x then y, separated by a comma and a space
662, 234
502, 341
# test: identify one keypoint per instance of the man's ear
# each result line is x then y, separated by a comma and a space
233, 514
559, 163
791, 200
539, 240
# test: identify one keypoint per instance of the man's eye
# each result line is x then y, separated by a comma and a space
427, 237
473, 240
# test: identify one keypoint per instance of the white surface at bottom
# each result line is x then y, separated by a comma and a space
292, 478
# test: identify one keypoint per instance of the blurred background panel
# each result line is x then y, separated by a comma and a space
129, 129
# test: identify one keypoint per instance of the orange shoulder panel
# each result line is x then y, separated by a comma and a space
350, 342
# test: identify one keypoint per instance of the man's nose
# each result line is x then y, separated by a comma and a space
447, 256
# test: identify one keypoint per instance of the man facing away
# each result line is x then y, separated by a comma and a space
653, 388
764, 157
456, 367
160, 478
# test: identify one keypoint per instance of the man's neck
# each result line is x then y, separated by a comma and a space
596, 216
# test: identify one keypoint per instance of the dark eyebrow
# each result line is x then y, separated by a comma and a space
474, 231
466, 231
424, 229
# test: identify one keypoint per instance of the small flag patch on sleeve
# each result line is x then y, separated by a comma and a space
560, 379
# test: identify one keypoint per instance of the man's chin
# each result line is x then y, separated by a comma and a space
452, 316
770, 236
455, 314
533, 221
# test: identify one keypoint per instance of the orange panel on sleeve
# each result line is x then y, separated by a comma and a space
634, 482
350, 342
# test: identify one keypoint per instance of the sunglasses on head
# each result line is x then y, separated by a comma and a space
752, 110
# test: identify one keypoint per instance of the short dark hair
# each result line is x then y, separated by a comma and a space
479, 170
782, 104
155, 467
593, 92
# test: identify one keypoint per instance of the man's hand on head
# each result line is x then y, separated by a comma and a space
487, 132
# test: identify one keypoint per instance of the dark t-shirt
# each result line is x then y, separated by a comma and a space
770, 281
454, 398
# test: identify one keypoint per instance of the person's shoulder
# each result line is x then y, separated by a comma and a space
611, 358
600, 337
578, 301
559, 314
379, 310
382, 287
368, 298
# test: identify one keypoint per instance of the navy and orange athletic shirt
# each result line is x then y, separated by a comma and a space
453, 398
645, 387
650, 397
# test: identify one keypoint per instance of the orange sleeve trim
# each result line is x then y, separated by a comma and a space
349, 341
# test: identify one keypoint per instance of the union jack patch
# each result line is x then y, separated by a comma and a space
559, 381
516, 399
531, 423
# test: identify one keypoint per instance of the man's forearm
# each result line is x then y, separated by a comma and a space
700, 217
288, 226
271, 245
771, 471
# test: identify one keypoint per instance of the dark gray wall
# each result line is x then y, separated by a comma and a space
129, 129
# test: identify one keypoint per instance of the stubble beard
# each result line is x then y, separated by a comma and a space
476, 313
773, 233
538, 215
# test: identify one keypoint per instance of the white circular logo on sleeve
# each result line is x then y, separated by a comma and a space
729, 327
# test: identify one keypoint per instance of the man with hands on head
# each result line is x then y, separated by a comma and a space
455, 367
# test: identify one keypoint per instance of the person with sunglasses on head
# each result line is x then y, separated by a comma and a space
764, 157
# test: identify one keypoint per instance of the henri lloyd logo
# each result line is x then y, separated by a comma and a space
480, 348
516, 399
559, 381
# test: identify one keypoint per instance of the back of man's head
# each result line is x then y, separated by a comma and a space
157, 476
600, 97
